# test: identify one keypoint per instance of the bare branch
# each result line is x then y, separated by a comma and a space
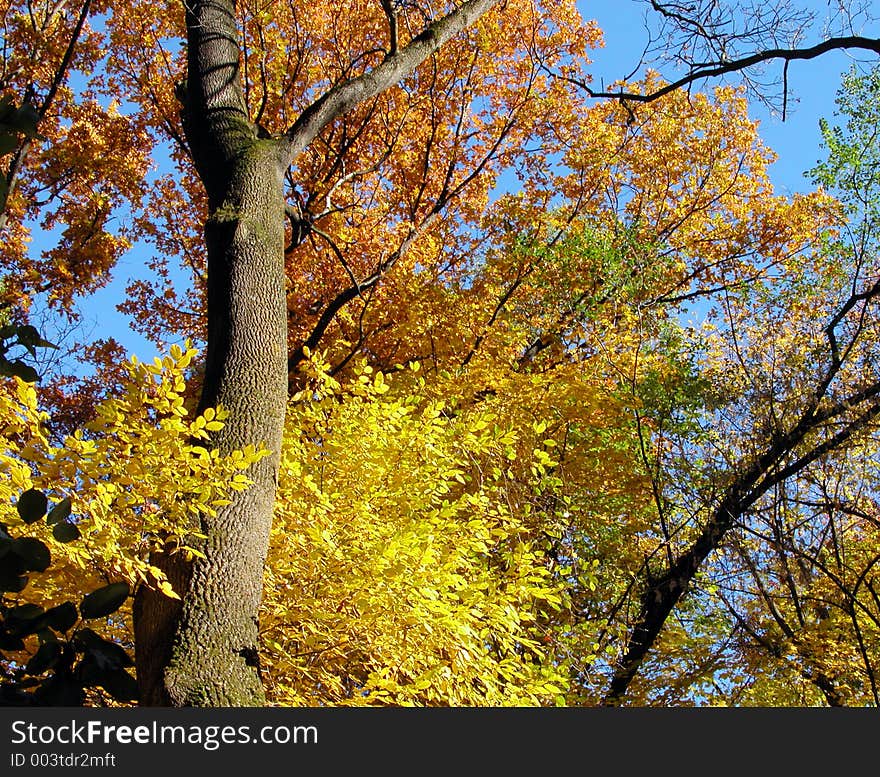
723, 68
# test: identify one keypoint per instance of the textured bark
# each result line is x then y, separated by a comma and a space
214, 660
155, 622
204, 651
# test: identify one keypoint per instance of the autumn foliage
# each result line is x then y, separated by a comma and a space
561, 371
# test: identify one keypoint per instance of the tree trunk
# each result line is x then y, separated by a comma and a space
204, 651
246, 374
212, 660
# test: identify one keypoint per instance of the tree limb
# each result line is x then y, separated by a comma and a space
720, 68
344, 96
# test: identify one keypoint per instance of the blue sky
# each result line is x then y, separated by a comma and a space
813, 85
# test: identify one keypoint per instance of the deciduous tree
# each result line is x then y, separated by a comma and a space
443, 446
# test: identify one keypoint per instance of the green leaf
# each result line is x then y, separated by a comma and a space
32, 505
62, 617
120, 685
7, 143
24, 612
33, 552
12, 582
45, 658
10, 562
28, 335
65, 532
104, 601
24, 120
59, 691
24, 619
10, 641
19, 369
61, 512
30, 338
107, 655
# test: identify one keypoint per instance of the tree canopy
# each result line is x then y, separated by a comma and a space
478, 385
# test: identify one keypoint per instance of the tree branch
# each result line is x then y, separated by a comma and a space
391, 14
344, 96
720, 68
354, 291
663, 593
21, 152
